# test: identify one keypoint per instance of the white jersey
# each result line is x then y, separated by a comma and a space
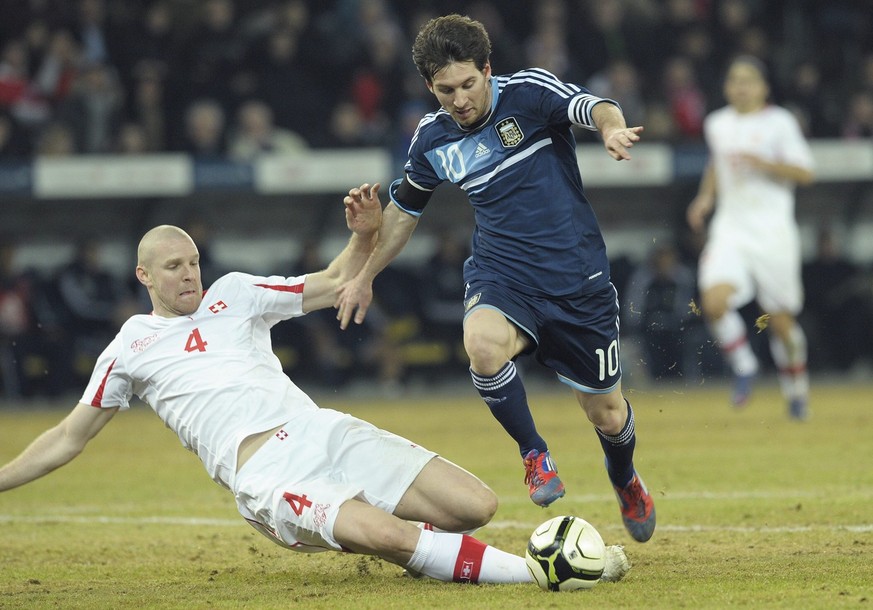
750, 203
212, 377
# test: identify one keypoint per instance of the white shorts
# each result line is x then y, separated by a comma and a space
291, 489
766, 270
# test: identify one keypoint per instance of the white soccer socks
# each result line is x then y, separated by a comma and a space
462, 558
790, 358
730, 332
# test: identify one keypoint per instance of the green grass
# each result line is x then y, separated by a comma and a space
754, 511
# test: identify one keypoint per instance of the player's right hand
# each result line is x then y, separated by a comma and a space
352, 302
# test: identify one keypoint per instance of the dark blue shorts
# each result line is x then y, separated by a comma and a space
577, 336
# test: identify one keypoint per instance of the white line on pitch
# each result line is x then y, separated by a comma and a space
194, 521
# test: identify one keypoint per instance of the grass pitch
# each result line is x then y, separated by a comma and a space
754, 511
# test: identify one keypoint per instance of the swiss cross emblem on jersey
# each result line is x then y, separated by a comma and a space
509, 132
217, 306
466, 570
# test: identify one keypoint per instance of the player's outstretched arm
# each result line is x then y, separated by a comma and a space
56, 446
617, 136
355, 296
778, 170
704, 202
363, 218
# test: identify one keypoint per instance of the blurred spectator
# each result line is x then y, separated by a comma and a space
404, 129
212, 53
36, 40
621, 82
354, 24
255, 134
18, 94
131, 140
506, 51
58, 68
371, 83
91, 30
442, 283
547, 47
148, 107
204, 130
677, 18
866, 73
603, 34
13, 144
89, 297
149, 43
55, 140
16, 325
14, 73
657, 307
441, 294
331, 359
33, 351
697, 45
686, 101
755, 41
805, 95
349, 129
94, 110
373, 30
281, 75
838, 305
858, 122
731, 19
292, 14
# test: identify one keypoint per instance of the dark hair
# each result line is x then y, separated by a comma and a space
754, 62
448, 39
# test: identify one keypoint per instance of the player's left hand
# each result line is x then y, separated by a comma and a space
363, 209
618, 141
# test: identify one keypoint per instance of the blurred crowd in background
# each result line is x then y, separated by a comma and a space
238, 78
234, 77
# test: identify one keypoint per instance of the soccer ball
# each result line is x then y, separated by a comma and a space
566, 553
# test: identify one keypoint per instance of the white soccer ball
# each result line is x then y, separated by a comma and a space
566, 553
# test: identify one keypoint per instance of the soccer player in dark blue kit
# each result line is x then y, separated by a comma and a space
538, 279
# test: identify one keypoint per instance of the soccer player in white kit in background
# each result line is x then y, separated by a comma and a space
308, 478
758, 155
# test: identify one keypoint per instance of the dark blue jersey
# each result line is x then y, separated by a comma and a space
535, 230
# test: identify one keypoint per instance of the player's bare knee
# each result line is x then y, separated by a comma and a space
714, 309
607, 412
482, 508
474, 509
485, 356
715, 303
781, 325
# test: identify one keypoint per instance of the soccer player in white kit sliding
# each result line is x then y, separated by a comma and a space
758, 156
308, 478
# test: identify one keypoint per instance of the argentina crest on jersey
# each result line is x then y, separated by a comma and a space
509, 132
